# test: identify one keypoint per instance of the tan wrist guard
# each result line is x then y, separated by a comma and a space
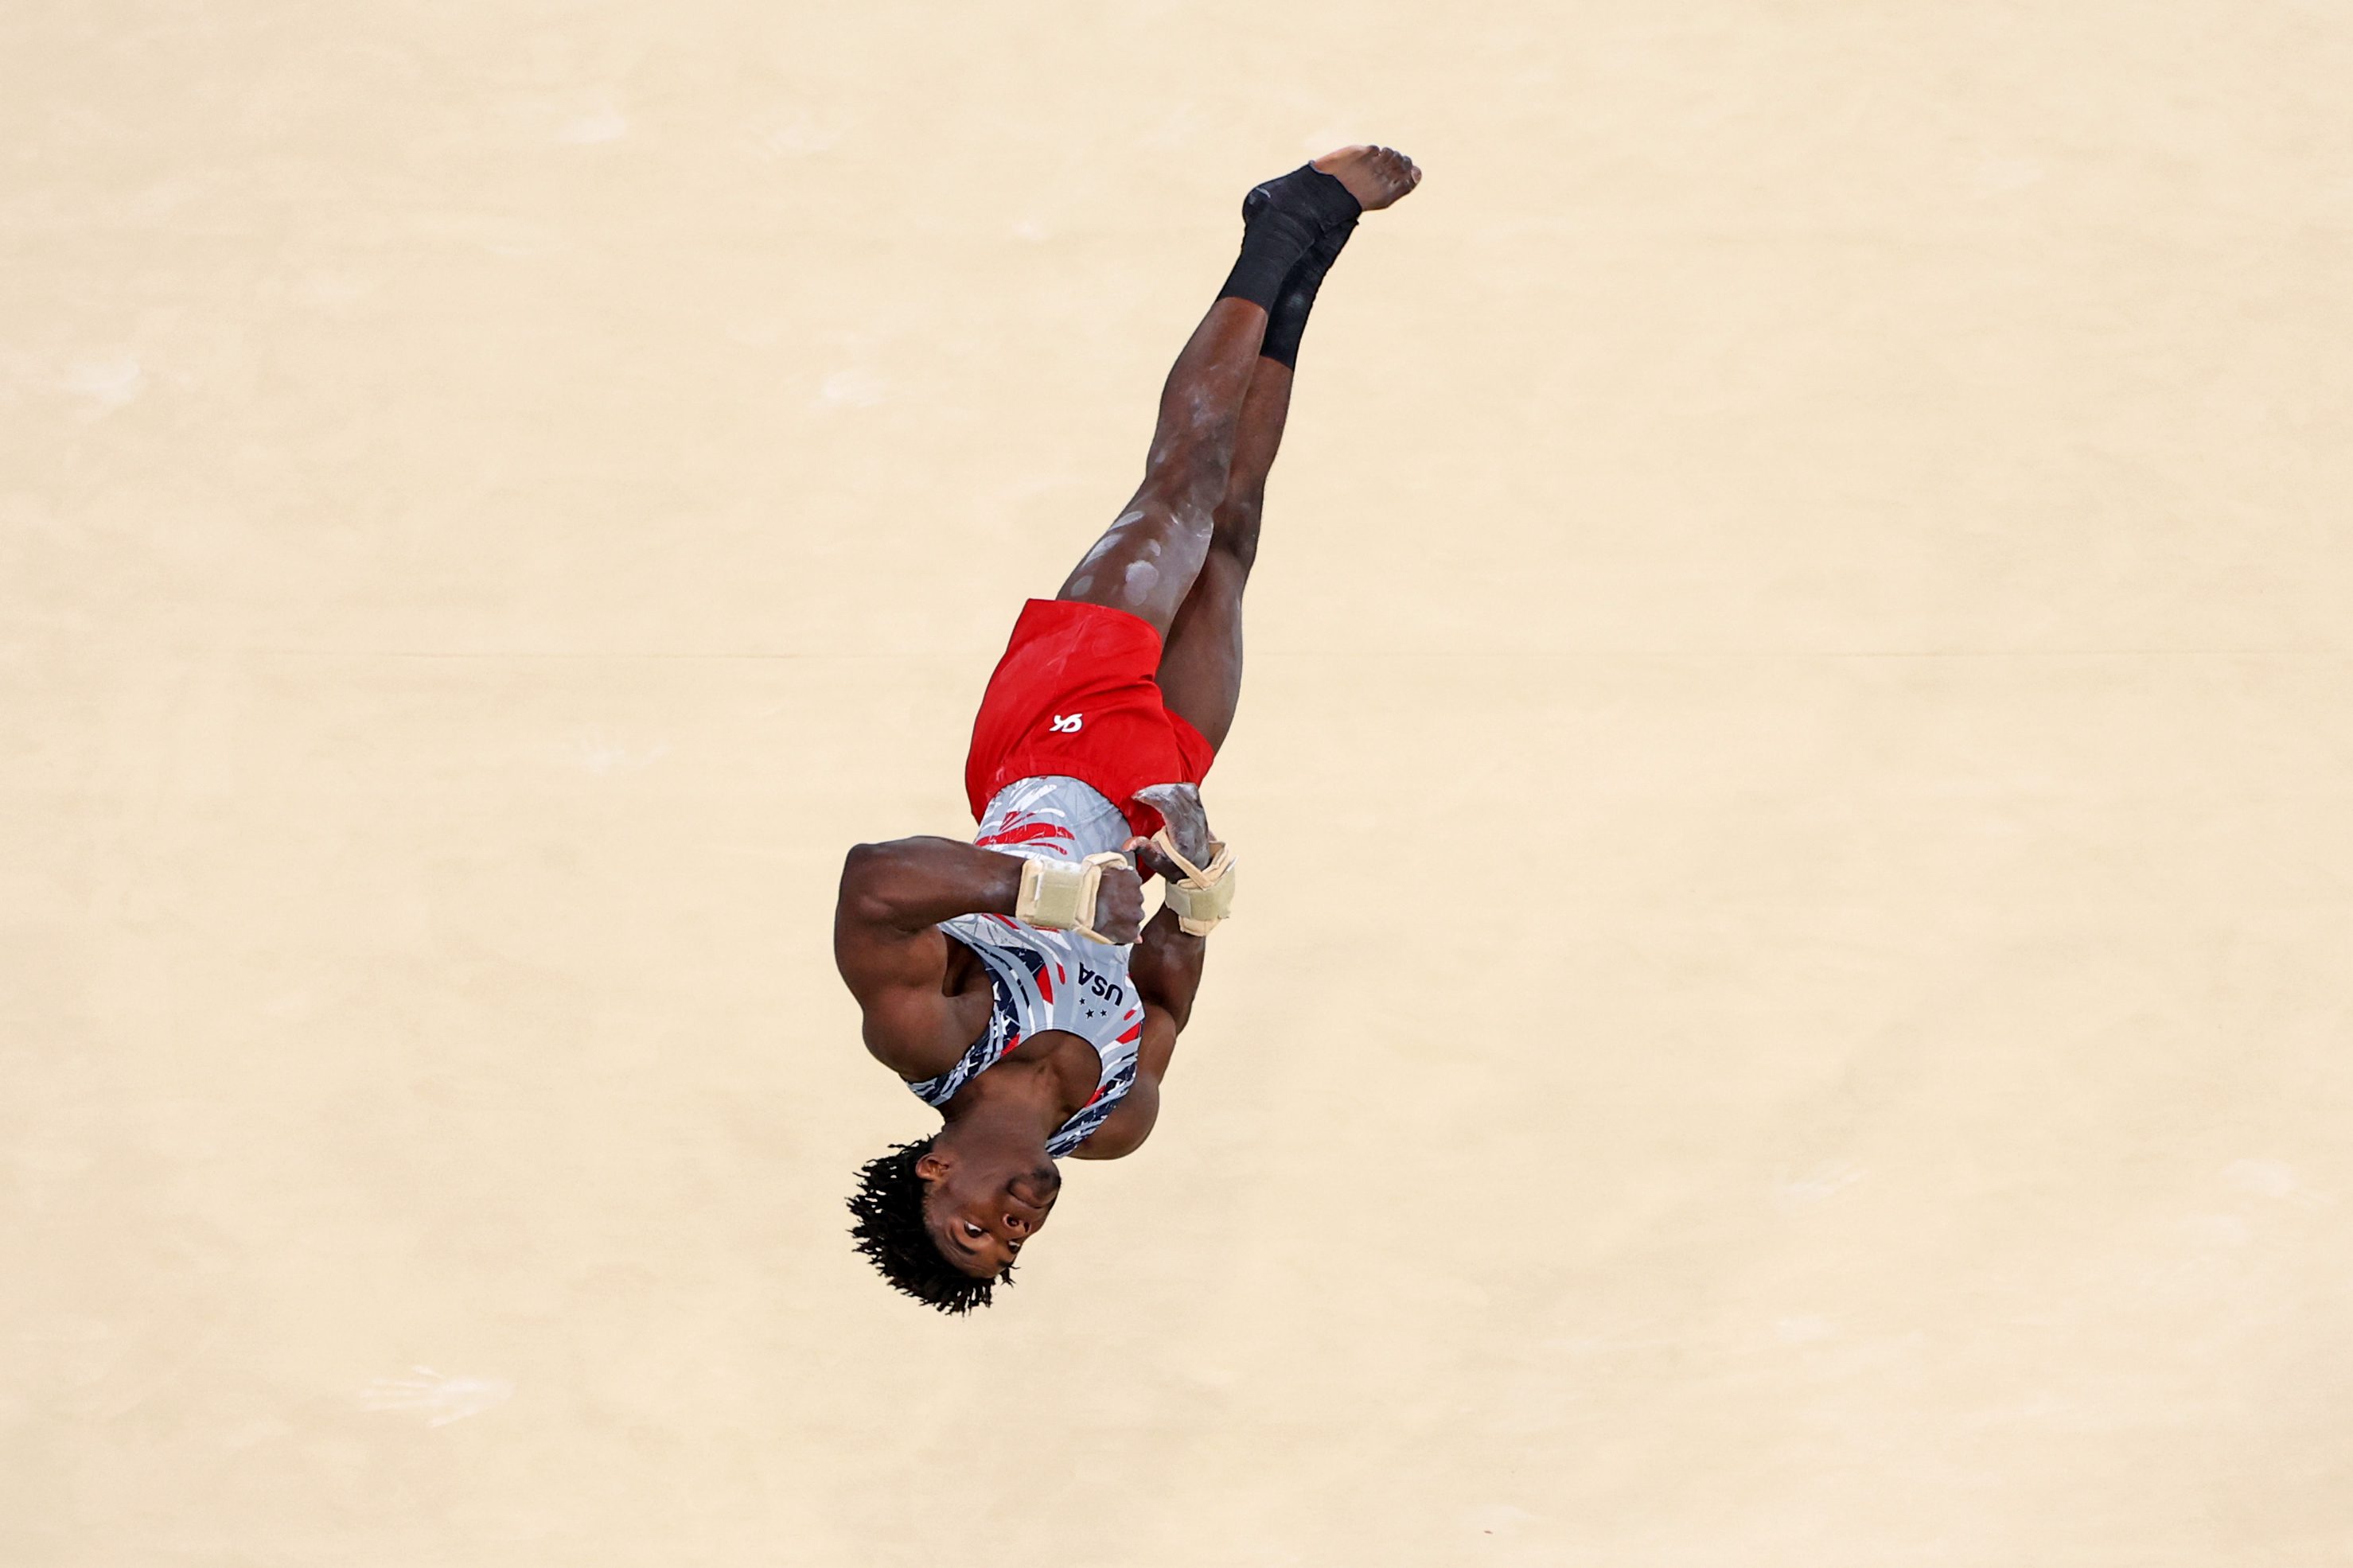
1057, 895
1206, 896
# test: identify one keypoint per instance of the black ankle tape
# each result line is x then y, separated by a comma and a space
1286, 324
1283, 219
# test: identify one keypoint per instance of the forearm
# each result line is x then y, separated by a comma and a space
1166, 966
911, 883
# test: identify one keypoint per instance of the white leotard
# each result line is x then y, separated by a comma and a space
1049, 979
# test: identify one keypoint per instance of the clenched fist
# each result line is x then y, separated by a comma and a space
1119, 905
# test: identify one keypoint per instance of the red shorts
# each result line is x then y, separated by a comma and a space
1074, 695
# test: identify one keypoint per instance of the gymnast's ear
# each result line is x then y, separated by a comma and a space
934, 1165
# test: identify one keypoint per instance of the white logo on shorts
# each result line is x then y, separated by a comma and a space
1066, 724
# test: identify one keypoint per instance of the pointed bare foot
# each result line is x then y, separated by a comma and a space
1376, 176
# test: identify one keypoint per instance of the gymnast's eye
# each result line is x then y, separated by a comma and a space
972, 1230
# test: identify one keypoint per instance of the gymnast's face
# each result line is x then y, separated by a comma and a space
981, 1214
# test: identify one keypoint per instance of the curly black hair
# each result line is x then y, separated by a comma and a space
890, 1229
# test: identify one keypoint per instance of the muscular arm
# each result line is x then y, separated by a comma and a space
1166, 970
891, 952
894, 894
911, 884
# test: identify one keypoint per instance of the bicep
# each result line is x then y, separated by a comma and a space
911, 884
1158, 1046
873, 958
897, 977
872, 949
1126, 1129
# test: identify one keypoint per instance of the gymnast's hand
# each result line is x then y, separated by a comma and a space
1119, 905
1199, 896
1150, 862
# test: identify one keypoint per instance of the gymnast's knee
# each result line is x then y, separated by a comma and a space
1235, 532
1187, 478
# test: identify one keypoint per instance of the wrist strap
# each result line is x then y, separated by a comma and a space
1206, 896
1058, 895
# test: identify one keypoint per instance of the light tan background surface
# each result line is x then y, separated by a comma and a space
1841, 508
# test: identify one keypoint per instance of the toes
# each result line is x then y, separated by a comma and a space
1389, 172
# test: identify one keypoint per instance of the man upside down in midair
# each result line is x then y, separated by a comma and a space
1012, 981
